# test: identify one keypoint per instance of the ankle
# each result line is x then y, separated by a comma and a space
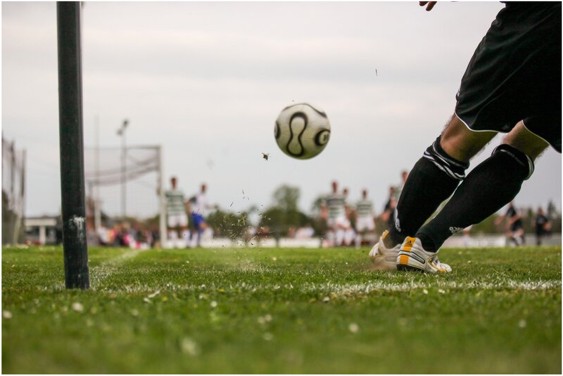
393, 239
427, 243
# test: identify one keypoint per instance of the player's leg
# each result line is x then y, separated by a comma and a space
434, 177
358, 239
172, 233
364, 227
201, 226
339, 231
498, 89
331, 232
521, 235
349, 236
347, 232
184, 233
432, 180
360, 232
339, 236
370, 233
185, 242
490, 186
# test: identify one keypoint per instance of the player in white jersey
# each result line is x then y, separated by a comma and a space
365, 223
349, 232
334, 207
200, 209
177, 220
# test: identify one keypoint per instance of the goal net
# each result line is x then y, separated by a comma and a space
125, 183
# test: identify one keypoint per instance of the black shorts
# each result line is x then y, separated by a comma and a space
515, 73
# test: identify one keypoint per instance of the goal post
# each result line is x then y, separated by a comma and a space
71, 146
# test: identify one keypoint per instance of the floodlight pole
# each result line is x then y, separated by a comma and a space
121, 132
161, 202
72, 146
97, 211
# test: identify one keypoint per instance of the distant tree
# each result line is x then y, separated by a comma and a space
227, 224
554, 216
284, 213
552, 211
487, 226
286, 198
316, 206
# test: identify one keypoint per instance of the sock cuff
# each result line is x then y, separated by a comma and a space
519, 157
450, 166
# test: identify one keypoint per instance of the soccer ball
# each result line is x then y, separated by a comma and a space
302, 131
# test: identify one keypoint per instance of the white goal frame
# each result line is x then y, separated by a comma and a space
96, 178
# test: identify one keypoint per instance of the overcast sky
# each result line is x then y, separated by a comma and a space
206, 81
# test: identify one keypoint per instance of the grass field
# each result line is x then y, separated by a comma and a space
281, 311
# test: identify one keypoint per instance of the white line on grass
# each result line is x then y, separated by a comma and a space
443, 285
107, 268
352, 289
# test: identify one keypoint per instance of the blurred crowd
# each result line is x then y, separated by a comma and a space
340, 222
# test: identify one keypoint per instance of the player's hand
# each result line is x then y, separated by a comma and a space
429, 4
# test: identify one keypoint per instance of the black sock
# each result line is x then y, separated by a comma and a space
491, 185
432, 180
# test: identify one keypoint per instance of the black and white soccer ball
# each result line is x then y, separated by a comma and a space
302, 131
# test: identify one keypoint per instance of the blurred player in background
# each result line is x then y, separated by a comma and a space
542, 226
514, 225
200, 209
389, 207
388, 214
365, 219
512, 85
349, 233
399, 188
177, 219
333, 209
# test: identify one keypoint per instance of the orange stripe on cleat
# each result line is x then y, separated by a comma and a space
407, 246
403, 259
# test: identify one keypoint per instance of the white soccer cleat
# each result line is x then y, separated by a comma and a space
413, 257
384, 258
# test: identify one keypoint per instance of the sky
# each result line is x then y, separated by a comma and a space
205, 81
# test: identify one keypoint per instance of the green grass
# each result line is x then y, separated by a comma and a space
281, 311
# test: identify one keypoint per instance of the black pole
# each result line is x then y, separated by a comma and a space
72, 146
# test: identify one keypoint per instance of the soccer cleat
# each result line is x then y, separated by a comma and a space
413, 257
384, 258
